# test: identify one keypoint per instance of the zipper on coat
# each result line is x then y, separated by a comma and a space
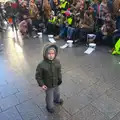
51, 71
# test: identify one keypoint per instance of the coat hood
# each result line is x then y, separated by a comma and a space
47, 47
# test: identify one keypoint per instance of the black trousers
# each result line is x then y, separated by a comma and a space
29, 29
52, 29
81, 34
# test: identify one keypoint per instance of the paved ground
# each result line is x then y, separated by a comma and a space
90, 89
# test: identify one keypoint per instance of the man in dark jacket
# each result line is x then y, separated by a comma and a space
48, 76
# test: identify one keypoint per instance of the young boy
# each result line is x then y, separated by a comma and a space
48, 76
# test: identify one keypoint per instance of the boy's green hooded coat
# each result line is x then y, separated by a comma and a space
49, 72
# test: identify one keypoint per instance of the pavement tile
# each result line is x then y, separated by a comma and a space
28, 110
96, 90
112, 75
28, 94
117, 84
116, 117
23, 96
76, 102
8, 102
114, 94
71, 90
89, 113
10, 114
83, 83
3, 82
7, 90
39, 100
21, 85
37, 118
0, 110
107, 105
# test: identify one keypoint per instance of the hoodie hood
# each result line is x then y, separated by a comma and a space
46, 48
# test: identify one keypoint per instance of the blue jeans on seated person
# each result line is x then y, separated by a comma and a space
63, 31
70, 32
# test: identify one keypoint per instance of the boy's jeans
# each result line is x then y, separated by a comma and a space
52, 94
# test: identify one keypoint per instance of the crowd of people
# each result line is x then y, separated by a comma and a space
66, 19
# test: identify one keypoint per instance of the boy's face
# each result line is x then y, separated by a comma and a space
51, 54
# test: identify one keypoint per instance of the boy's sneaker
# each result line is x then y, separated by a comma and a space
60, 102
50, 110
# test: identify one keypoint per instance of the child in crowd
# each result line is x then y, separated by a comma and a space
48, 76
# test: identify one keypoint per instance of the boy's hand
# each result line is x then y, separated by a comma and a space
44, 87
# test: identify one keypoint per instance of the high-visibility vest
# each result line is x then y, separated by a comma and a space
69, 20
63, 5
116, 50
53, 20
